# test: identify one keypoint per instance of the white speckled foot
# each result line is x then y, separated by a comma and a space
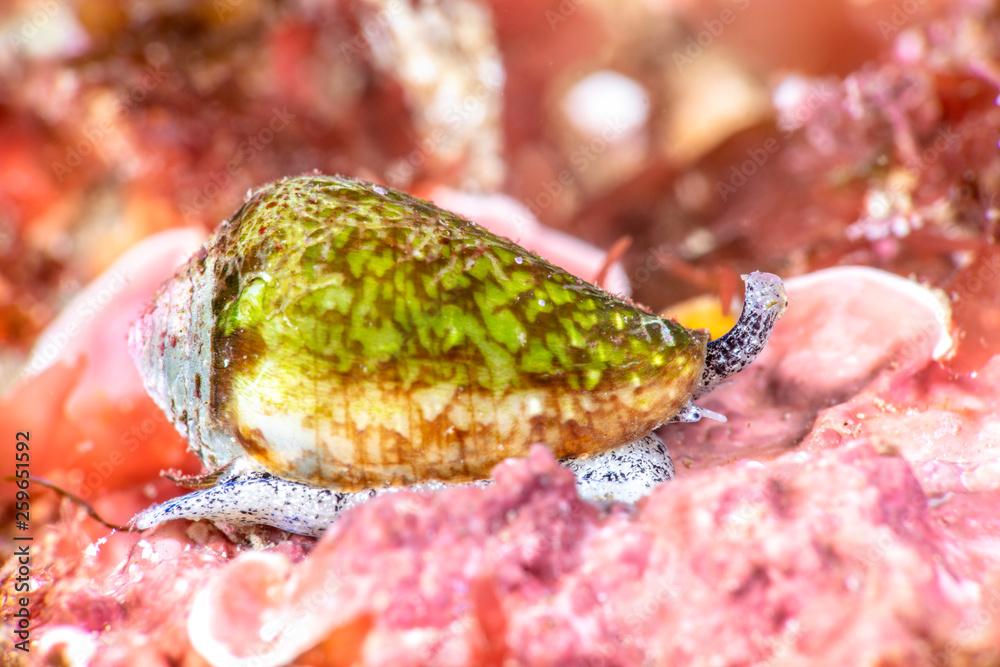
257, 498
624, 474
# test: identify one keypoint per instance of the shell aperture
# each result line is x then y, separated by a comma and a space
345, 334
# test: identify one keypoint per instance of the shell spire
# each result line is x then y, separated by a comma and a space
170, 344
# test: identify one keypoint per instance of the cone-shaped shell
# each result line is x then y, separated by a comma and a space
344, 334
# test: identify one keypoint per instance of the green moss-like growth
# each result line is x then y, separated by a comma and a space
331, 276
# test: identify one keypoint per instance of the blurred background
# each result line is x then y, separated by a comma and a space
695, 140
684, 141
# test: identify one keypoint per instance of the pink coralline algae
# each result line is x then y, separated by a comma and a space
844, 516
835, 558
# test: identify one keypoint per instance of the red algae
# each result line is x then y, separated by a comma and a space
834, 557
871, 540
893, 166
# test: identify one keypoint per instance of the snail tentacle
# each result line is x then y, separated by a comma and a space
691, 413
199, 481
764, 303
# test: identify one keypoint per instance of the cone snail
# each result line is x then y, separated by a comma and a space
337, 339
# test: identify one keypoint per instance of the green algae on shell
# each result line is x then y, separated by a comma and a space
348, 335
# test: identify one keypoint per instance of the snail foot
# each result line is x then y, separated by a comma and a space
624, 474
256, 498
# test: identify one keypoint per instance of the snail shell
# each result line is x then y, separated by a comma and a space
348, 335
